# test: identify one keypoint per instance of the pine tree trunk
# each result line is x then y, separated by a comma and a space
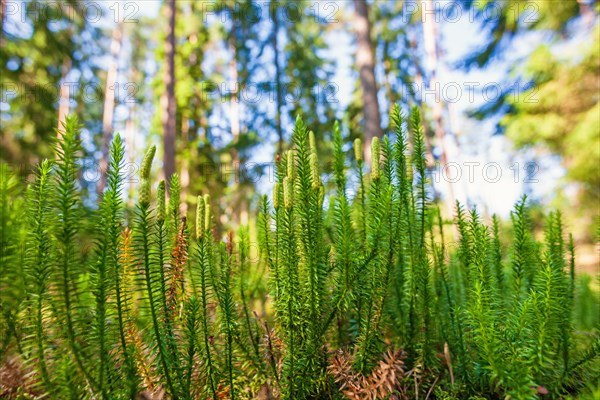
419, 100
168, 105
365, 61
431, 48
109, 103
130, 131
275, 44
63, 105
185, 165
131, 122
235, 125
234, 103
2, 15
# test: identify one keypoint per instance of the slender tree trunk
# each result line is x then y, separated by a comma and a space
185, 139
234, 106
431, 38
419, 100
5, 144
390, 94
365, 61
185, 164
168, 104
2, 15
130, 132
234, 103
131, 123
109, 103
63, 105
275, 44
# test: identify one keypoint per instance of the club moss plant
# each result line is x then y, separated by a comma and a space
363, 295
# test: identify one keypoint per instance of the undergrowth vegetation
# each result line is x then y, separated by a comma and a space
364, 296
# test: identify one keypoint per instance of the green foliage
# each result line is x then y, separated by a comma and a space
366, 296
556, 109
11, 239
566, 127
39, 60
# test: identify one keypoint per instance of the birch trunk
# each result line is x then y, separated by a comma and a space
431, 48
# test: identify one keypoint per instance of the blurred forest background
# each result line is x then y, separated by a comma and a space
511, 85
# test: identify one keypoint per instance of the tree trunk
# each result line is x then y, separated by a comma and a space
130, 131
365, 61
131, 124
2, 15
63, 105
390, 94
185, 165
168, 104
431, 37
419, 100
109, 104
234, 103
275, 44
238, 191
